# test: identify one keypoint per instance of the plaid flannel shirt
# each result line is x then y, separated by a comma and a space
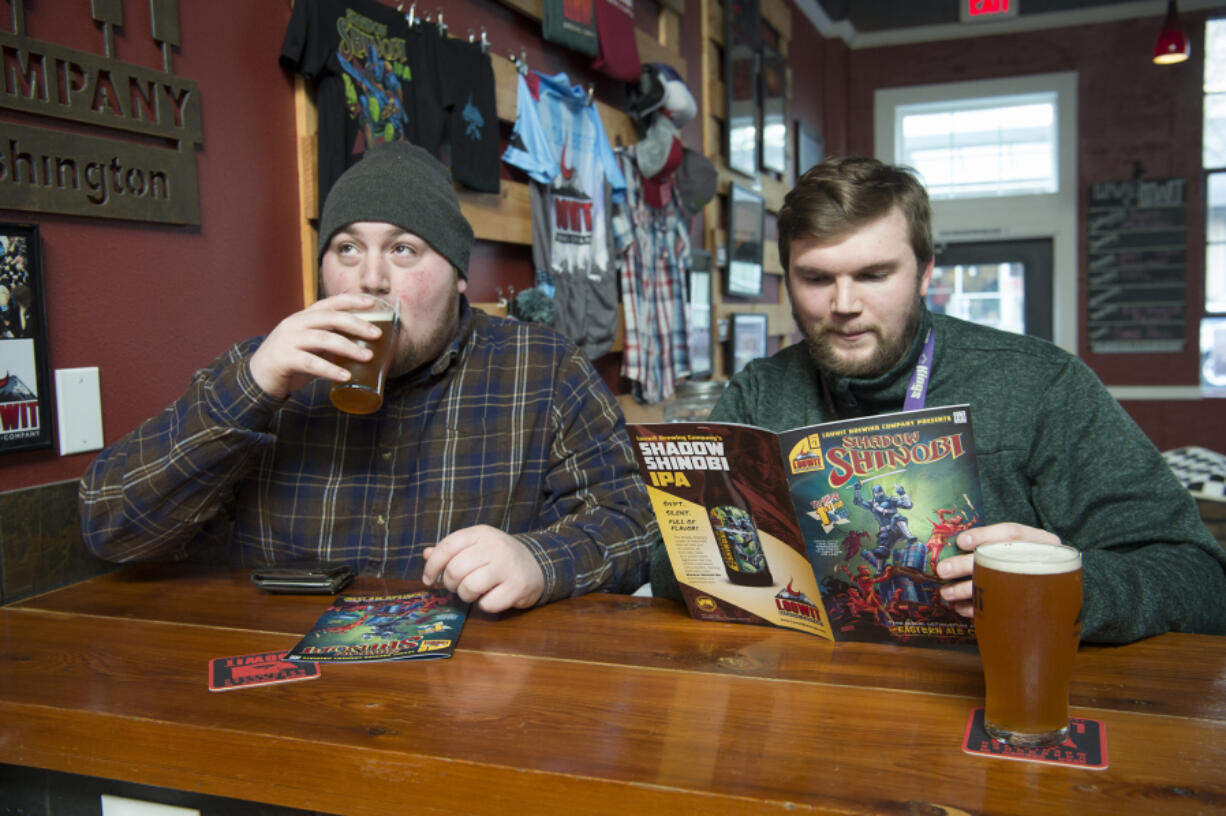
510, 426
654, 260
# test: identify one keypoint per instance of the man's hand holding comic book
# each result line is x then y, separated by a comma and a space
958, 567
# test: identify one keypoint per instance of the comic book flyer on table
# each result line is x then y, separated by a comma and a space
833, 529
411, 626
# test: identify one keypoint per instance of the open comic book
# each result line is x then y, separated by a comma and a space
833, 529
414, 625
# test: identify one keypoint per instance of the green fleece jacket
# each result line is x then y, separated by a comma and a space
1055, 451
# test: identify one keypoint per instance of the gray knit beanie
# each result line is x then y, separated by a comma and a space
400, 183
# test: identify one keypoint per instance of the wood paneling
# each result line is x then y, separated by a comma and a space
603, 704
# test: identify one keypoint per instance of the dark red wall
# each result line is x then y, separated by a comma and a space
149, 304
1130, 111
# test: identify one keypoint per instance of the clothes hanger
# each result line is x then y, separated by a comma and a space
520, 63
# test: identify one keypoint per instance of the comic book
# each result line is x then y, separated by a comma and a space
833, 529
416, 625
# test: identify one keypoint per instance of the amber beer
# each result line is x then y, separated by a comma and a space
736, 534
363, 393
1027, 599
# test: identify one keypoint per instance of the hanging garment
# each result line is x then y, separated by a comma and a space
560, 142
470, 95
619, 52
361, 55
653, 265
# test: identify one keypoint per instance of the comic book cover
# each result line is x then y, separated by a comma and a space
833, 529
879, 501
416, 625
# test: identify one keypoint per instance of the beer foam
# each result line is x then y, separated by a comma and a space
1028, 557
376, 317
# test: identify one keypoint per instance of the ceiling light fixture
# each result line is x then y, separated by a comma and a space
1172, 45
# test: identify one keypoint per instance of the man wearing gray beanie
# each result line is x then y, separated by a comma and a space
498, 464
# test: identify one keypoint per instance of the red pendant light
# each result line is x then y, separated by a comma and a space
1172, 45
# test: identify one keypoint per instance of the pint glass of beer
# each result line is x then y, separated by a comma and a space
1027, 600
363, 393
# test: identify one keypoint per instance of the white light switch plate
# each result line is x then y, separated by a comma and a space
78, 400
119, 806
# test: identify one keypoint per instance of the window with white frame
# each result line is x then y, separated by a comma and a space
1213, 325
987, 146
999, 159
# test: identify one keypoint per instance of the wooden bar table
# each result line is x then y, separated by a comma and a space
600, 704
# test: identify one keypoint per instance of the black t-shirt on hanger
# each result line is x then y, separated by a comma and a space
469, 92
358, 53
430, 59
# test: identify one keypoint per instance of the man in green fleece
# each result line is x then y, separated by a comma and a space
1059, 459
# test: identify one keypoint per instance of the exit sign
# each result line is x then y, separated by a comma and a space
982, 11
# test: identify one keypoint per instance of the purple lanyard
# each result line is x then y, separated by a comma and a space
917, 389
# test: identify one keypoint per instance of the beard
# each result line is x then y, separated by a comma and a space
889, 350
414, 352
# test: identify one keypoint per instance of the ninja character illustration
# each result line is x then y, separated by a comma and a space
852, 543
892, 530
891, 524
864, 596
951, 523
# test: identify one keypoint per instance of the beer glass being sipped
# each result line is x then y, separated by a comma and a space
363, 393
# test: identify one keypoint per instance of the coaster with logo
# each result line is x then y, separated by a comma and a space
261, 669
1086, 746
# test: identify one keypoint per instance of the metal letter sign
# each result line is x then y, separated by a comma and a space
60, 171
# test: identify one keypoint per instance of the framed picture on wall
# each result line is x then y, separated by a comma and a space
808, 148
746, 236
25, 387
774, 111
748, 339
699, 327
742, 90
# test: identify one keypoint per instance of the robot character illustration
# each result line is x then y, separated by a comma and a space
375, 99
892, 529
742, 536
891, 524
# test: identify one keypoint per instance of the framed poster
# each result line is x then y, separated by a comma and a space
808, 148
746, 236
25, 385
699, 327
742, 41
748, 339
774, 111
